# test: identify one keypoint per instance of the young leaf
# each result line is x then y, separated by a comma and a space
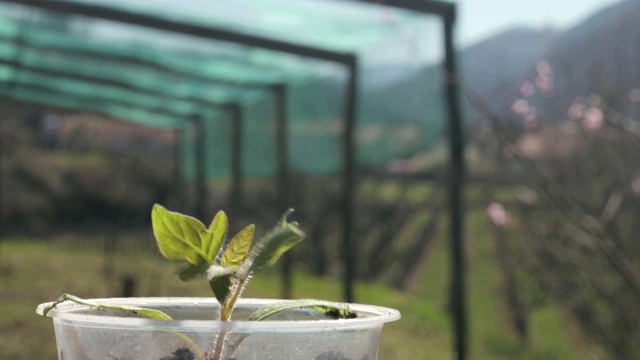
331, 309
215, 235
178, 236
148, 313
238, 248
190, 271
220, 279
221, 287
271, 248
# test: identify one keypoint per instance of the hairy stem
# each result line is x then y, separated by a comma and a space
217, 352
226, 309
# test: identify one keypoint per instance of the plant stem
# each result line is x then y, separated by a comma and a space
226, 310
217, 353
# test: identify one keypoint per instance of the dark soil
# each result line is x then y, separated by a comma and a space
186, 354
181, 354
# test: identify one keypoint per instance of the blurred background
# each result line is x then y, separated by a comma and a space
340, 110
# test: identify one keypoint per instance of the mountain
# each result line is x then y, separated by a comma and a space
599, 56
495, 67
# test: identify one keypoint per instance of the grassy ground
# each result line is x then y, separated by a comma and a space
34, 271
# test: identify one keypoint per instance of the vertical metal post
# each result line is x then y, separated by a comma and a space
349, 247
201, 176
11, 85
2, 214
1, 177
178, 178
283, 177
235, 189
456, 182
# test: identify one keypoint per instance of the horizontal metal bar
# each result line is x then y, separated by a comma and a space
205, 31
440, 8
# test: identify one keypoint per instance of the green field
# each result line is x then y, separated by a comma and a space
34, 271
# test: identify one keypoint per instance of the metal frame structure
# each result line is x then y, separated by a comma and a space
234, 111
445, 10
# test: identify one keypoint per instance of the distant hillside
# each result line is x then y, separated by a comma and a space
495, 67
599, 56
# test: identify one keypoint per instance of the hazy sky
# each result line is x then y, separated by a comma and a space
479, 19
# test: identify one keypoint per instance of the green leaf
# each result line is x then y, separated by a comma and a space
221, 287
331, 309
178, 236
220, 279
190, 271
273, 246
215, 235
148, 313
238, 247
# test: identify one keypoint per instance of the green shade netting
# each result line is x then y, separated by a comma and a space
400, 110
49, 96
136, 85
125, 112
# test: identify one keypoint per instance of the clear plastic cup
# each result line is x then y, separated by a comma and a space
84, 333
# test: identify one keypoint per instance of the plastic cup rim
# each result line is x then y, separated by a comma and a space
68, 313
